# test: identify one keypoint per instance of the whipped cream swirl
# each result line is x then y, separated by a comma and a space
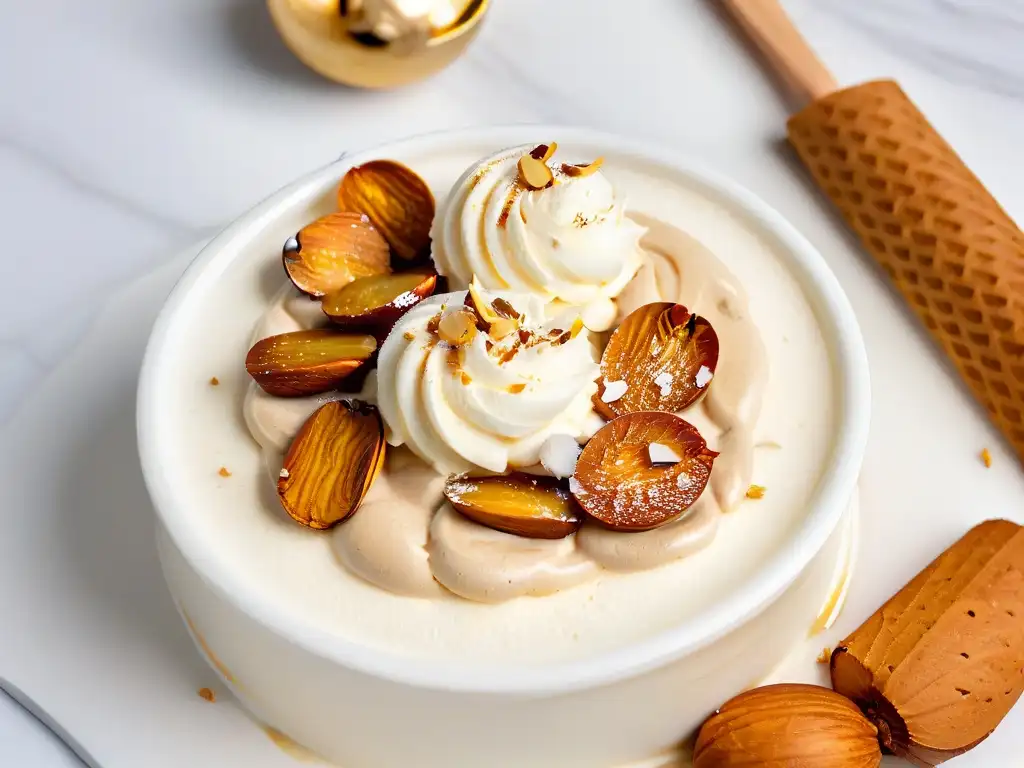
571, 241
488, 404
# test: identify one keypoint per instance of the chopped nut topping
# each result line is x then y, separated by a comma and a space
986, 457
544, 152
214, 381
434, 323
509, 353
524, 336
515, 389
755, 492
208, 694
409, 336
476, 302
579, 171
503, 308
457, 327
534, 173
223, 472
502, 327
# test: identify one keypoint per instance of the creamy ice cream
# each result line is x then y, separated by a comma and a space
415, 569
571, 241
490, 404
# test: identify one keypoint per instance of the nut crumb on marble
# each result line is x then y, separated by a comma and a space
214, 381
207, 694
224, 472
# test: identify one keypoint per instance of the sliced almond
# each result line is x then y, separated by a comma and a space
666, 356
617, 483
457, 327
534, 173
578, 171
307, 362
333, 251
377, 302
544, 152
526, 505
398, 202
502, 327
475, 300
332, 463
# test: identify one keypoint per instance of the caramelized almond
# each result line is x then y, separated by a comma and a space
578, 171
665, 355
534, 173
333, 251
398, 202
502, 327
307, 362
481, 307
527, 505
377, 302
332, 463
457, 327
617, 483
544, 152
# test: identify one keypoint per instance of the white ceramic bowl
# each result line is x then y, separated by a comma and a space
362, 707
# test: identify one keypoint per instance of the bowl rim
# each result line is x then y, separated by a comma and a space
826, 508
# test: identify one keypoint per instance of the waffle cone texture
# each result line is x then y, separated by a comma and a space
951, 250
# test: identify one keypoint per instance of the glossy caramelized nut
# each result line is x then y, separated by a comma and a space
665, 356
378, 301
617, 483
482, 308
333, 251
534, 173
457, 327
544, 152
307, 362
787, 726
527, 505
332, 463
398, 202
586, 169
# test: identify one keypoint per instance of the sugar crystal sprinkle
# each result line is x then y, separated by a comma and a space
703, 376
664, 381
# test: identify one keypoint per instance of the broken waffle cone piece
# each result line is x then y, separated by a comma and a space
942, 662
945, 242
618, 484
378, 302
661, 358
333, 251
307, 362
398, 202
332, 463
533, 506
787, 726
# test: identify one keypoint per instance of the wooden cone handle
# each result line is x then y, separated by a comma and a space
788, 54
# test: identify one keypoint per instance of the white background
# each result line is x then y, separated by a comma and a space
129, 130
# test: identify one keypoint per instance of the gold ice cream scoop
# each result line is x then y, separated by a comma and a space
377, 43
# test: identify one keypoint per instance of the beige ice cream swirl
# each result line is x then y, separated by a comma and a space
570, 242
487, 404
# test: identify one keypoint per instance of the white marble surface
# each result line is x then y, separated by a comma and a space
130, 129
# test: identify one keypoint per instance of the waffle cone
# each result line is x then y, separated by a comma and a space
952, 251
